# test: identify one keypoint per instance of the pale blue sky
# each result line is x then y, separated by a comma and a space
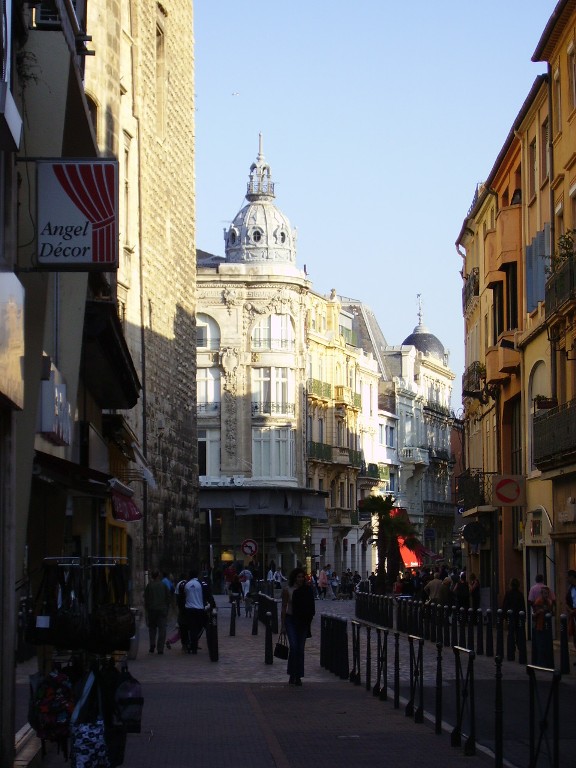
379, 118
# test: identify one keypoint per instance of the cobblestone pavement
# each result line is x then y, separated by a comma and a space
204, 713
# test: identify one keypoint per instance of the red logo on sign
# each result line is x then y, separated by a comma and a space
507, 490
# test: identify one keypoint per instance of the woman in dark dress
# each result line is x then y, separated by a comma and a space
298, 609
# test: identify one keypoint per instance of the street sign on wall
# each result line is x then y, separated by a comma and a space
508, 491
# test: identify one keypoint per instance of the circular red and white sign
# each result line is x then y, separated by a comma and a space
507, 490
249, 547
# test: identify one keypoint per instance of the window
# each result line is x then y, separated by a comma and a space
208, 452
273, 391
273, 453
207, 332
275, 332
126, 201
392, 487
557, 103
497, 311
208, 390
390, 436
532, 156
572, 75
160, 81
511, 297
381, 434
544, 155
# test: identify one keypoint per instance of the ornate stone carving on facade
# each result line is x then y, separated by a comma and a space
229, 360
284, 302
230, 298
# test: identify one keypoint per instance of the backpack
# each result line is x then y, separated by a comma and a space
129, 701
52, 704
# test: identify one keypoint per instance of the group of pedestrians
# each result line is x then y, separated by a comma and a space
193, 598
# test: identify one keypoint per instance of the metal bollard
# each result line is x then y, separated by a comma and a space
564, 653
212, 634
438, 713
489, 634
396, 670
471, 617
500, 633
498, 717
511, 640
446, 626
255, 619
479, 632
232, 620
268, 655
454, 627
430, 622
521, 639
462, 625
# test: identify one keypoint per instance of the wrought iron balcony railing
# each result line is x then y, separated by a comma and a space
474, 488
208, 409
319, 451
319, 388
560, 286
474, 377
471, 289
273, 409
554, 442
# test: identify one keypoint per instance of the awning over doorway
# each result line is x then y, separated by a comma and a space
124, 508
414, 558
264, 500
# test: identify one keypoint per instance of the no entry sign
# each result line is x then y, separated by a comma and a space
249, 547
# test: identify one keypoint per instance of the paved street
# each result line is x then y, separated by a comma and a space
239, 708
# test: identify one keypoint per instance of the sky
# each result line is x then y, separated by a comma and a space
378, 119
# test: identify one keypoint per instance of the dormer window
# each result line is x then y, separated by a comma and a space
256, 236
282, 237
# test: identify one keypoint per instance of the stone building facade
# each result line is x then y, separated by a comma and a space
141, 95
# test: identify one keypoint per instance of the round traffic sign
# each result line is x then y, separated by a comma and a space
249, 547
507, 491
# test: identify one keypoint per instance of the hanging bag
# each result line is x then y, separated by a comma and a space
112, 624
88, 736
40, 626
129, 701
281, 650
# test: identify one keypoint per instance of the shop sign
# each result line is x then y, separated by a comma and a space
77, 215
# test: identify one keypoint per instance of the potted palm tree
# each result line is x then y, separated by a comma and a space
386, 524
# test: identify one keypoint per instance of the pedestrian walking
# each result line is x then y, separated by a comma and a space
156, 606
298, 609
198, 596
245, 577
322, 583
513, 601
542, 648
571, 606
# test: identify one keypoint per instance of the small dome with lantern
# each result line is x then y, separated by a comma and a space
423, 340
260, 232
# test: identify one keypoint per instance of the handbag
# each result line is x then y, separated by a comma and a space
112, 623
281, 650
88, 739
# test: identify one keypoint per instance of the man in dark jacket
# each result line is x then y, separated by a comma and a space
156, 604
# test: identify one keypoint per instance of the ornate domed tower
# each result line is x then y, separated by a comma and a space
260, 232
424, 341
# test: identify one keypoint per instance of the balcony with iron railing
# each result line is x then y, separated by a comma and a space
319, 451
369, 470
269, 408
319, 389
413, 455
272, 345
471, 289
560, 287
343, 395
554, 436
208, 409
474, 377
474, 488
340, 517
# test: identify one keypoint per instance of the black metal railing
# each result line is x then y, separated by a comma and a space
320, 451
555, 435
269, 408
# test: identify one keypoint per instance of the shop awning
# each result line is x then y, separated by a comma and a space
68, 474
124, 508
413, 558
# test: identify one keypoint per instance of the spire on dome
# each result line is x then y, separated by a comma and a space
420, 328
260, 185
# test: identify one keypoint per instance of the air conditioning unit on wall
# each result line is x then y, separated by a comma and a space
568, 514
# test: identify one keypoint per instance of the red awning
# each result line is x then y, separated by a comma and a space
411, 559
123, 508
